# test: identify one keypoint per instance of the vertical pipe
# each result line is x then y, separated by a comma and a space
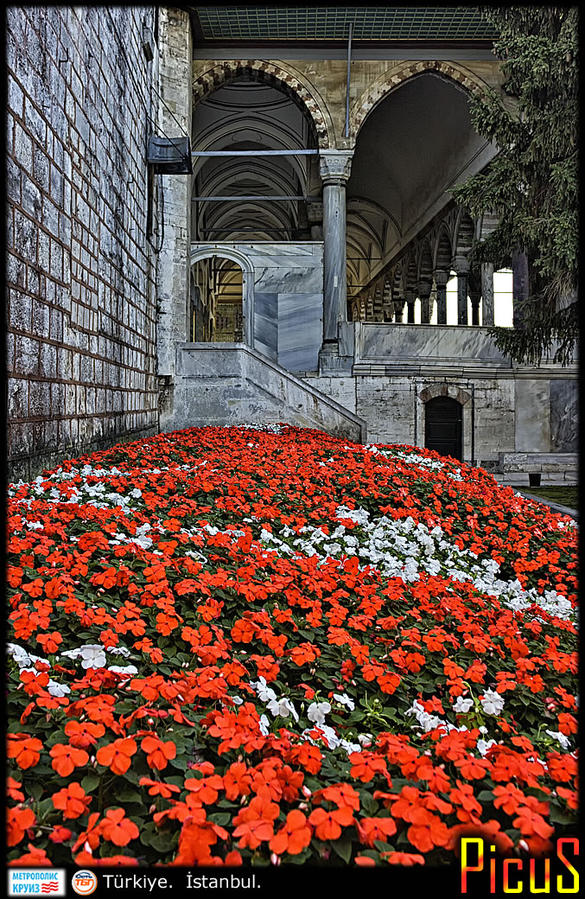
473, 459
348, 77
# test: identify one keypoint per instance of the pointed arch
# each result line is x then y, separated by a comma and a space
465, 231
292, 83
443, 250
383, 86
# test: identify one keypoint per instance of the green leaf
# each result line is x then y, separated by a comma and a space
90, 782
560, 816
35, 790
221, 818
343, 847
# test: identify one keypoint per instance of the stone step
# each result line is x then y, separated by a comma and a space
231, 383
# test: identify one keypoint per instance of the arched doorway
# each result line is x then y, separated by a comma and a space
444, 426
222, 297
216, 301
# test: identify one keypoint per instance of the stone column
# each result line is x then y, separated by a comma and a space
520, 286
474, 286
378, 304
398, 310
441, 278
410, 298
335, 167
388, 311
424, 293
487, 293
369, 308
461, 266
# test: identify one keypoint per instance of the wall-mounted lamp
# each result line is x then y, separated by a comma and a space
169, 155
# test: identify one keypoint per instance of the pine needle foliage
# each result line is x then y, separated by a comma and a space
531, 184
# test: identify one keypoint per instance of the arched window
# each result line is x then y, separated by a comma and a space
444, 426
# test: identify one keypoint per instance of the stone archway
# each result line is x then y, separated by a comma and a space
393, 79
291, 82
225, 251
452, 392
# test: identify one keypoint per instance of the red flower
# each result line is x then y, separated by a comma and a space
328, 824
426, 830
117, 755
66, 758
19, 822
117, 828
156, 788
158, 752
72, 799
370, 829
407, 859
26, 750
293, 837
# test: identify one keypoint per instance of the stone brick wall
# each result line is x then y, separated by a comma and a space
81, 272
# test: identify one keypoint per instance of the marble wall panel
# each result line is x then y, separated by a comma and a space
287, 279
532, 415
300, 328
563, 415
266, 324
403, 341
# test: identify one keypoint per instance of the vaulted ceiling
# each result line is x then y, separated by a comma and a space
251, 116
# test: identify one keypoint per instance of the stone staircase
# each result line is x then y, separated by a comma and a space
234, 384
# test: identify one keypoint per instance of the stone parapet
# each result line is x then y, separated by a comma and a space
233, 384
538, 462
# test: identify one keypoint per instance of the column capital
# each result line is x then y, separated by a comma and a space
461, 265
424, 289
335, 166
441, 278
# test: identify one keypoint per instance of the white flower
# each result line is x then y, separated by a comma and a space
317, 712
562, 739
331, 737
56, 689
462, 706
365, 739
282, 707
492, 703
344, 699
92, 656
350, 747
265, 693
484, 745
264, 725
128, 669
19, 654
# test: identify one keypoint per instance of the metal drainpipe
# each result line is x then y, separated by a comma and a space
473, 459
415, 393
348, 76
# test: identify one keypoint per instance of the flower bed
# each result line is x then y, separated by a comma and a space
241, 646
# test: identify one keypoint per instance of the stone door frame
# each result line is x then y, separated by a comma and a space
227, 251
429, 390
